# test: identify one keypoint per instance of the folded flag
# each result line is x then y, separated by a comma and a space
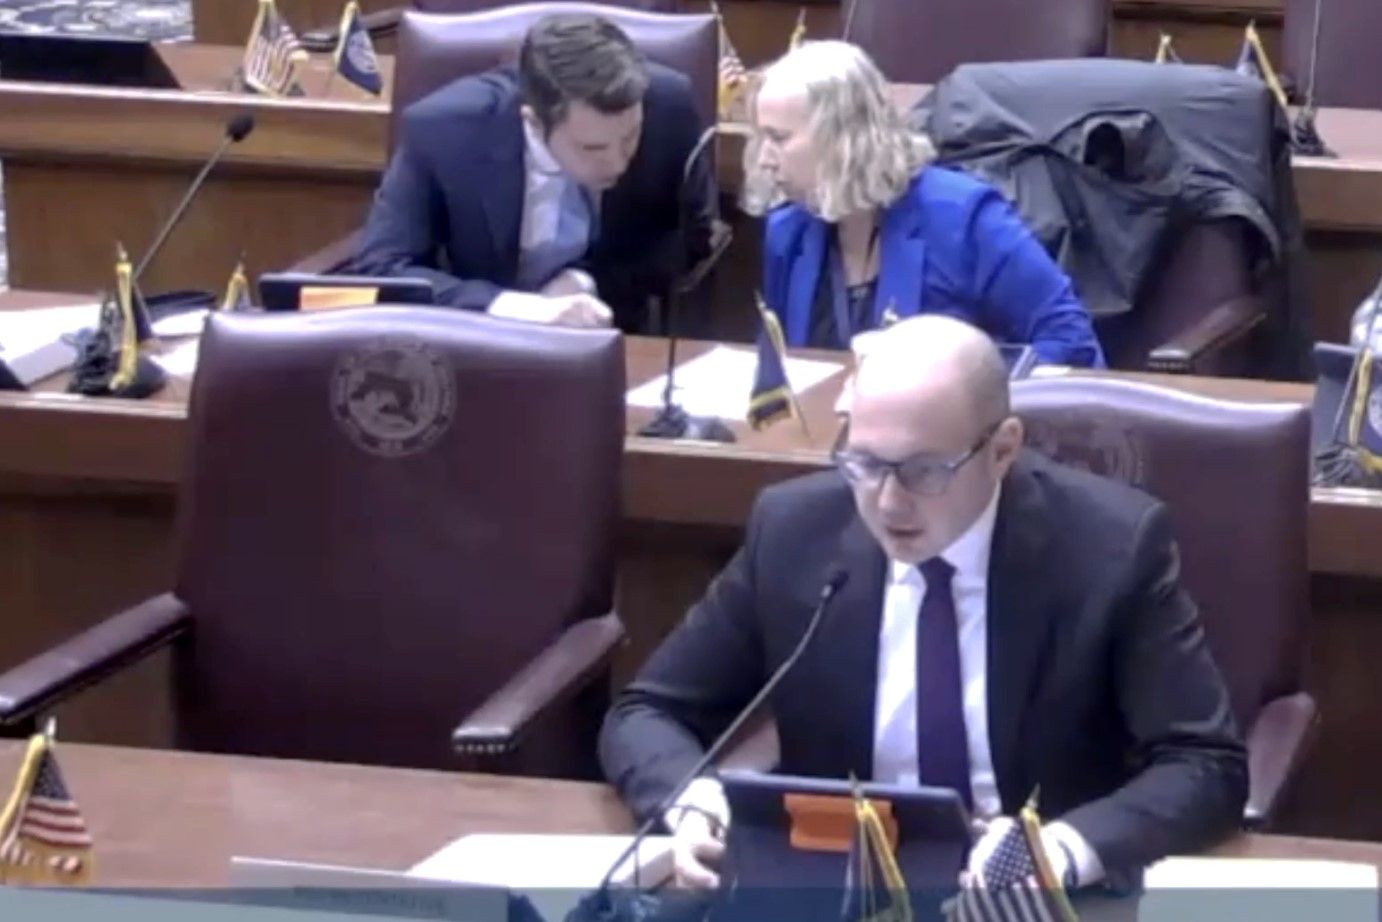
1166, 51
733, 75
237, 294
772, 397
798, 31
43, 837
272, 54
1016, 883
875, 890
355, 58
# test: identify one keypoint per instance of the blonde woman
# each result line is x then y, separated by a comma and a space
862, 229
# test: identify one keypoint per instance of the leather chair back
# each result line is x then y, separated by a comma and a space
920, 41
388, 512
1348, 73
1235, 477
435, 49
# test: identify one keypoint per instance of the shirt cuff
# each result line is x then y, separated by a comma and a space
512, 305
703, 795
1088, 868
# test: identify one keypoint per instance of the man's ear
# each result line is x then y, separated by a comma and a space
1007, 441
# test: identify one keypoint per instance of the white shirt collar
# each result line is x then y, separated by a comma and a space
540, 159
968, 554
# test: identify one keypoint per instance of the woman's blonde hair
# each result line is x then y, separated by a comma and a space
867, 153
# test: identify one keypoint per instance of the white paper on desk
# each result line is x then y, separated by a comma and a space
181, 360
36, 343
1193, 889
187, 323
719, 382
554, 872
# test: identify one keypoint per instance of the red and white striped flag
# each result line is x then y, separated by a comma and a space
43, 837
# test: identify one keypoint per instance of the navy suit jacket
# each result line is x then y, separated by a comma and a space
949, 245
450, 206
1101, 688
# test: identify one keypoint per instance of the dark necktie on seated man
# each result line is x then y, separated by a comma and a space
942, 743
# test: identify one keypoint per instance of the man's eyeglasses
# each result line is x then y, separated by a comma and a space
924, 474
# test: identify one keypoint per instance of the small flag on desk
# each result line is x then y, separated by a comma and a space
1253, 62
43, 838
1364, 401
272, 54
772, 397
1166, 51
733, 75
237, 295
874, 888
1016, 883
355, 59
110, 360
798, 31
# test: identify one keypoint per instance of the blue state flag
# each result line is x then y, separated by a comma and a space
771, 398
1365, 411
356, 61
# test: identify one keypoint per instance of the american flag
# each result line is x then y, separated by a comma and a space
734, 76
43, 838
1015, 884
273, 53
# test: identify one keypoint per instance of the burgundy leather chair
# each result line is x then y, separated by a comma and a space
390, 518
1348, 73
383, 24
435, 49
920, 41
1236, 479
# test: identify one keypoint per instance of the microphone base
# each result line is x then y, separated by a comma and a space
672, 422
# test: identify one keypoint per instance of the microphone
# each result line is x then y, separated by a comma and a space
672, 421
1305, 137
833, 584
237, 129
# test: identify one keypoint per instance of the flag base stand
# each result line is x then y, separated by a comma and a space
1305, 137
673, 422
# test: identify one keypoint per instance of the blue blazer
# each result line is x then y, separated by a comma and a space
950, 245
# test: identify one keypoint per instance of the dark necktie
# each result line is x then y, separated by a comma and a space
942, 744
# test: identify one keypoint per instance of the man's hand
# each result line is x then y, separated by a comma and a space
983, 850
697, 848
578, 310
570, 282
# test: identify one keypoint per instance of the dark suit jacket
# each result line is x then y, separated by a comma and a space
450, 206
1101, 687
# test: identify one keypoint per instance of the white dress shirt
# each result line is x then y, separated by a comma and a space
544, 185
895, 711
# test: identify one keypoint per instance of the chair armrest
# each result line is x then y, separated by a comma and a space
329, 258
564, 668
100, 651
721, 235
1277, 743
1214, 331
378, 24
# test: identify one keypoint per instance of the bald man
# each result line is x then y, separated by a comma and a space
1007, 623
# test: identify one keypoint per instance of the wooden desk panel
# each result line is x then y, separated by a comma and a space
169, 819
88, 486
166, 819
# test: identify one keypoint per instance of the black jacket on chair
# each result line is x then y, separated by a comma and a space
1109, 161
1101, 689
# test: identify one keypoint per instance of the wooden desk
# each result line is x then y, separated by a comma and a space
88, 491
168, 819
86, 166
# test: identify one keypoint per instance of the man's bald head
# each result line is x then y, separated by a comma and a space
929, 404
932, 351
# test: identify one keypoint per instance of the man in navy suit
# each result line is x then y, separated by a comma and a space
547, 192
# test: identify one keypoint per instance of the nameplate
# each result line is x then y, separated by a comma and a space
329, 297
